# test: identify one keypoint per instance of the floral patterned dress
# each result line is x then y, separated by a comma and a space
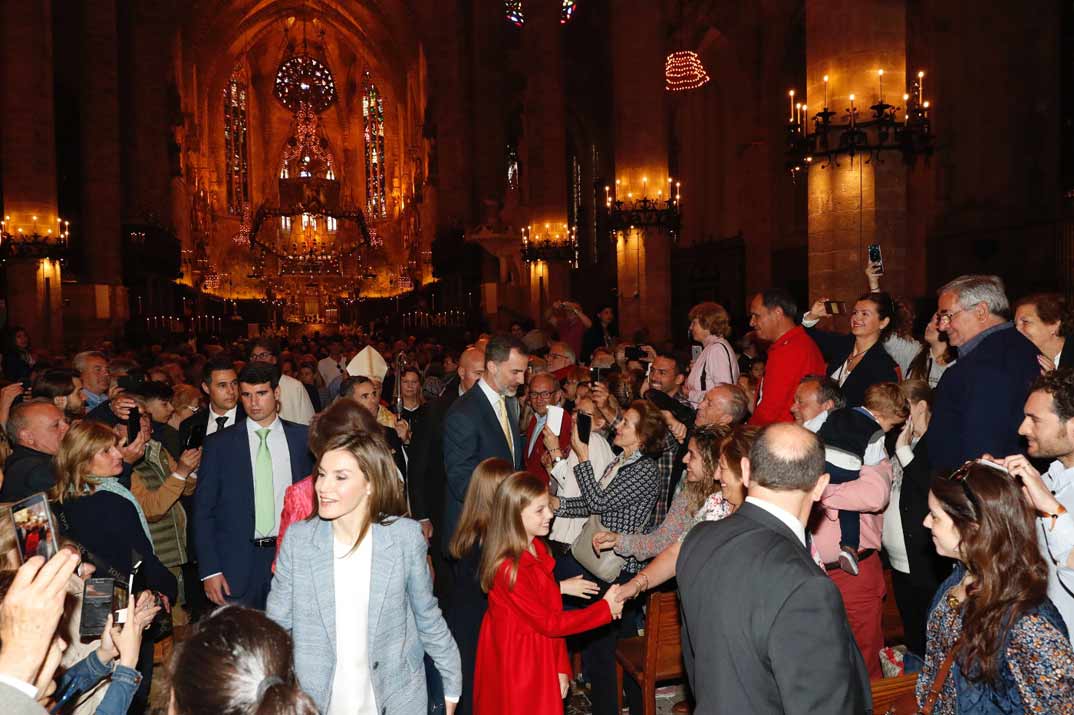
1039, 659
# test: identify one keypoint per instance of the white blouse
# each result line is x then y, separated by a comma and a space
352, 683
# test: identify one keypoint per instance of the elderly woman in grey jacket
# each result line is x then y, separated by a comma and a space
353, 588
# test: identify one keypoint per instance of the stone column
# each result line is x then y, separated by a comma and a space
28, 163
544, 166
641, 157
857, 202
99, 124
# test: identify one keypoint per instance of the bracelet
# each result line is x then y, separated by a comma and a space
178, 476
641, 578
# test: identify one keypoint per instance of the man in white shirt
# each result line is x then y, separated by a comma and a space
1049, 431
295, 403
334, 365
816, 396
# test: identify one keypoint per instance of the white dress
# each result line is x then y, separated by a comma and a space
352, 683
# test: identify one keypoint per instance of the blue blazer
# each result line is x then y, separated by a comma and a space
472, 433
224, 501
405, 621
980, 400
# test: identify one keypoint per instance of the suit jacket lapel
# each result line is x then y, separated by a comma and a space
246, 467
324, 584
385, 555
512, 414
295, 447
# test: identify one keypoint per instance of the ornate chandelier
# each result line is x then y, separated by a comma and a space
683, 71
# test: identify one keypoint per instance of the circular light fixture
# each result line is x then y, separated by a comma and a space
301, 79
683, 71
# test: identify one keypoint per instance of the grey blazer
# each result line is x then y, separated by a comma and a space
15, 702
405, 621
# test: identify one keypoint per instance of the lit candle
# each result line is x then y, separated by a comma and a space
825, 93
792, 105
920, 85
798, 113
880, 74
805, 120
852, 110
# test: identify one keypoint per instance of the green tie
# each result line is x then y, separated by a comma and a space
264, 491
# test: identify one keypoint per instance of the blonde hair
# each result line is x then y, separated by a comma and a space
712, 317
79, 446
474, 521
506, 537
885, 398
708, 440
386, 501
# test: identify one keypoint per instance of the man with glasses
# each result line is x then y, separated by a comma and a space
978, 402
561, 359
544, 391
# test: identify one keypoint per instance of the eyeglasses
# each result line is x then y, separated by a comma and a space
547, 395
260, 356
945, 317
960, 475
558, 355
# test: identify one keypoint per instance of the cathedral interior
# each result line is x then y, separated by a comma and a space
221, 165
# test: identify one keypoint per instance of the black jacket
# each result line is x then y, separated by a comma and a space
26, 472
927, 568
765, 631
875, 365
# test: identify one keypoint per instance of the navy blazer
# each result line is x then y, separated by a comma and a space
472, 433
875, 366
224, 499
980, 400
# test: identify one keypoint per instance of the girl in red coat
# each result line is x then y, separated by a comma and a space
522, 664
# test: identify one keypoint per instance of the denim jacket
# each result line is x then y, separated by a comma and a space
1002, 697
86, 673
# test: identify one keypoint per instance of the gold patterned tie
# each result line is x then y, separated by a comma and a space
506, 427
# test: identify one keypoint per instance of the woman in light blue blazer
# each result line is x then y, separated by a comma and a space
352, 586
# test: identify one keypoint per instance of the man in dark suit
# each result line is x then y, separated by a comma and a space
245, 471
774, 638
483, 423
978, 403
220, 383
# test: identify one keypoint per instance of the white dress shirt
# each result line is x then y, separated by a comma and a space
1057, 541
211, 426
281, 465
352, 682
295, 403
783, 515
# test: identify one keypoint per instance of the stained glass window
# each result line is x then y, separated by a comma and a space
236, 150
515, 15
373, 114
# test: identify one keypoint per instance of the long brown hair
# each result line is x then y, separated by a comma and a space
999, 548
707, 439
506, 537
477, 506
385, 502
77, 450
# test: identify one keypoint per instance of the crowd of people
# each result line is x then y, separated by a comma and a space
362, 523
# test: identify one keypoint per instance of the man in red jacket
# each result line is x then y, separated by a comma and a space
792, 355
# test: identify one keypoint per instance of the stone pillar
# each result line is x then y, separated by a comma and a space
860, 202
28, 163
99, 124
544, 166
641, 157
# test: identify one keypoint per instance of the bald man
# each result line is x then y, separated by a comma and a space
775, 638
36, 427
544, 391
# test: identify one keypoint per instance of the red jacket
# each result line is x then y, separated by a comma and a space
533, 460
521, 650
790, 358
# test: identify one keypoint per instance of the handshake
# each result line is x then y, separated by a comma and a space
615, 600
579, 587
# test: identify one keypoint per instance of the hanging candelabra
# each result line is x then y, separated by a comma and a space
627, 210
906, 129
31, 238
550, 243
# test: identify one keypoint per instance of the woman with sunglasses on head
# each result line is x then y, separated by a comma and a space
996, 643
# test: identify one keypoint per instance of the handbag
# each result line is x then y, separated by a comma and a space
906, 704
607, 564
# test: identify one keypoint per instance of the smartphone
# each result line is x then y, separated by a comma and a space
585, 426
134, 424
594, 374
835, 307
196, 438
875, 256
634, 353
121, 593
98, 595
35, 533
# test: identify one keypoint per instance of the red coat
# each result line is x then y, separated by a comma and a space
533, 460
521, 649
790, 358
